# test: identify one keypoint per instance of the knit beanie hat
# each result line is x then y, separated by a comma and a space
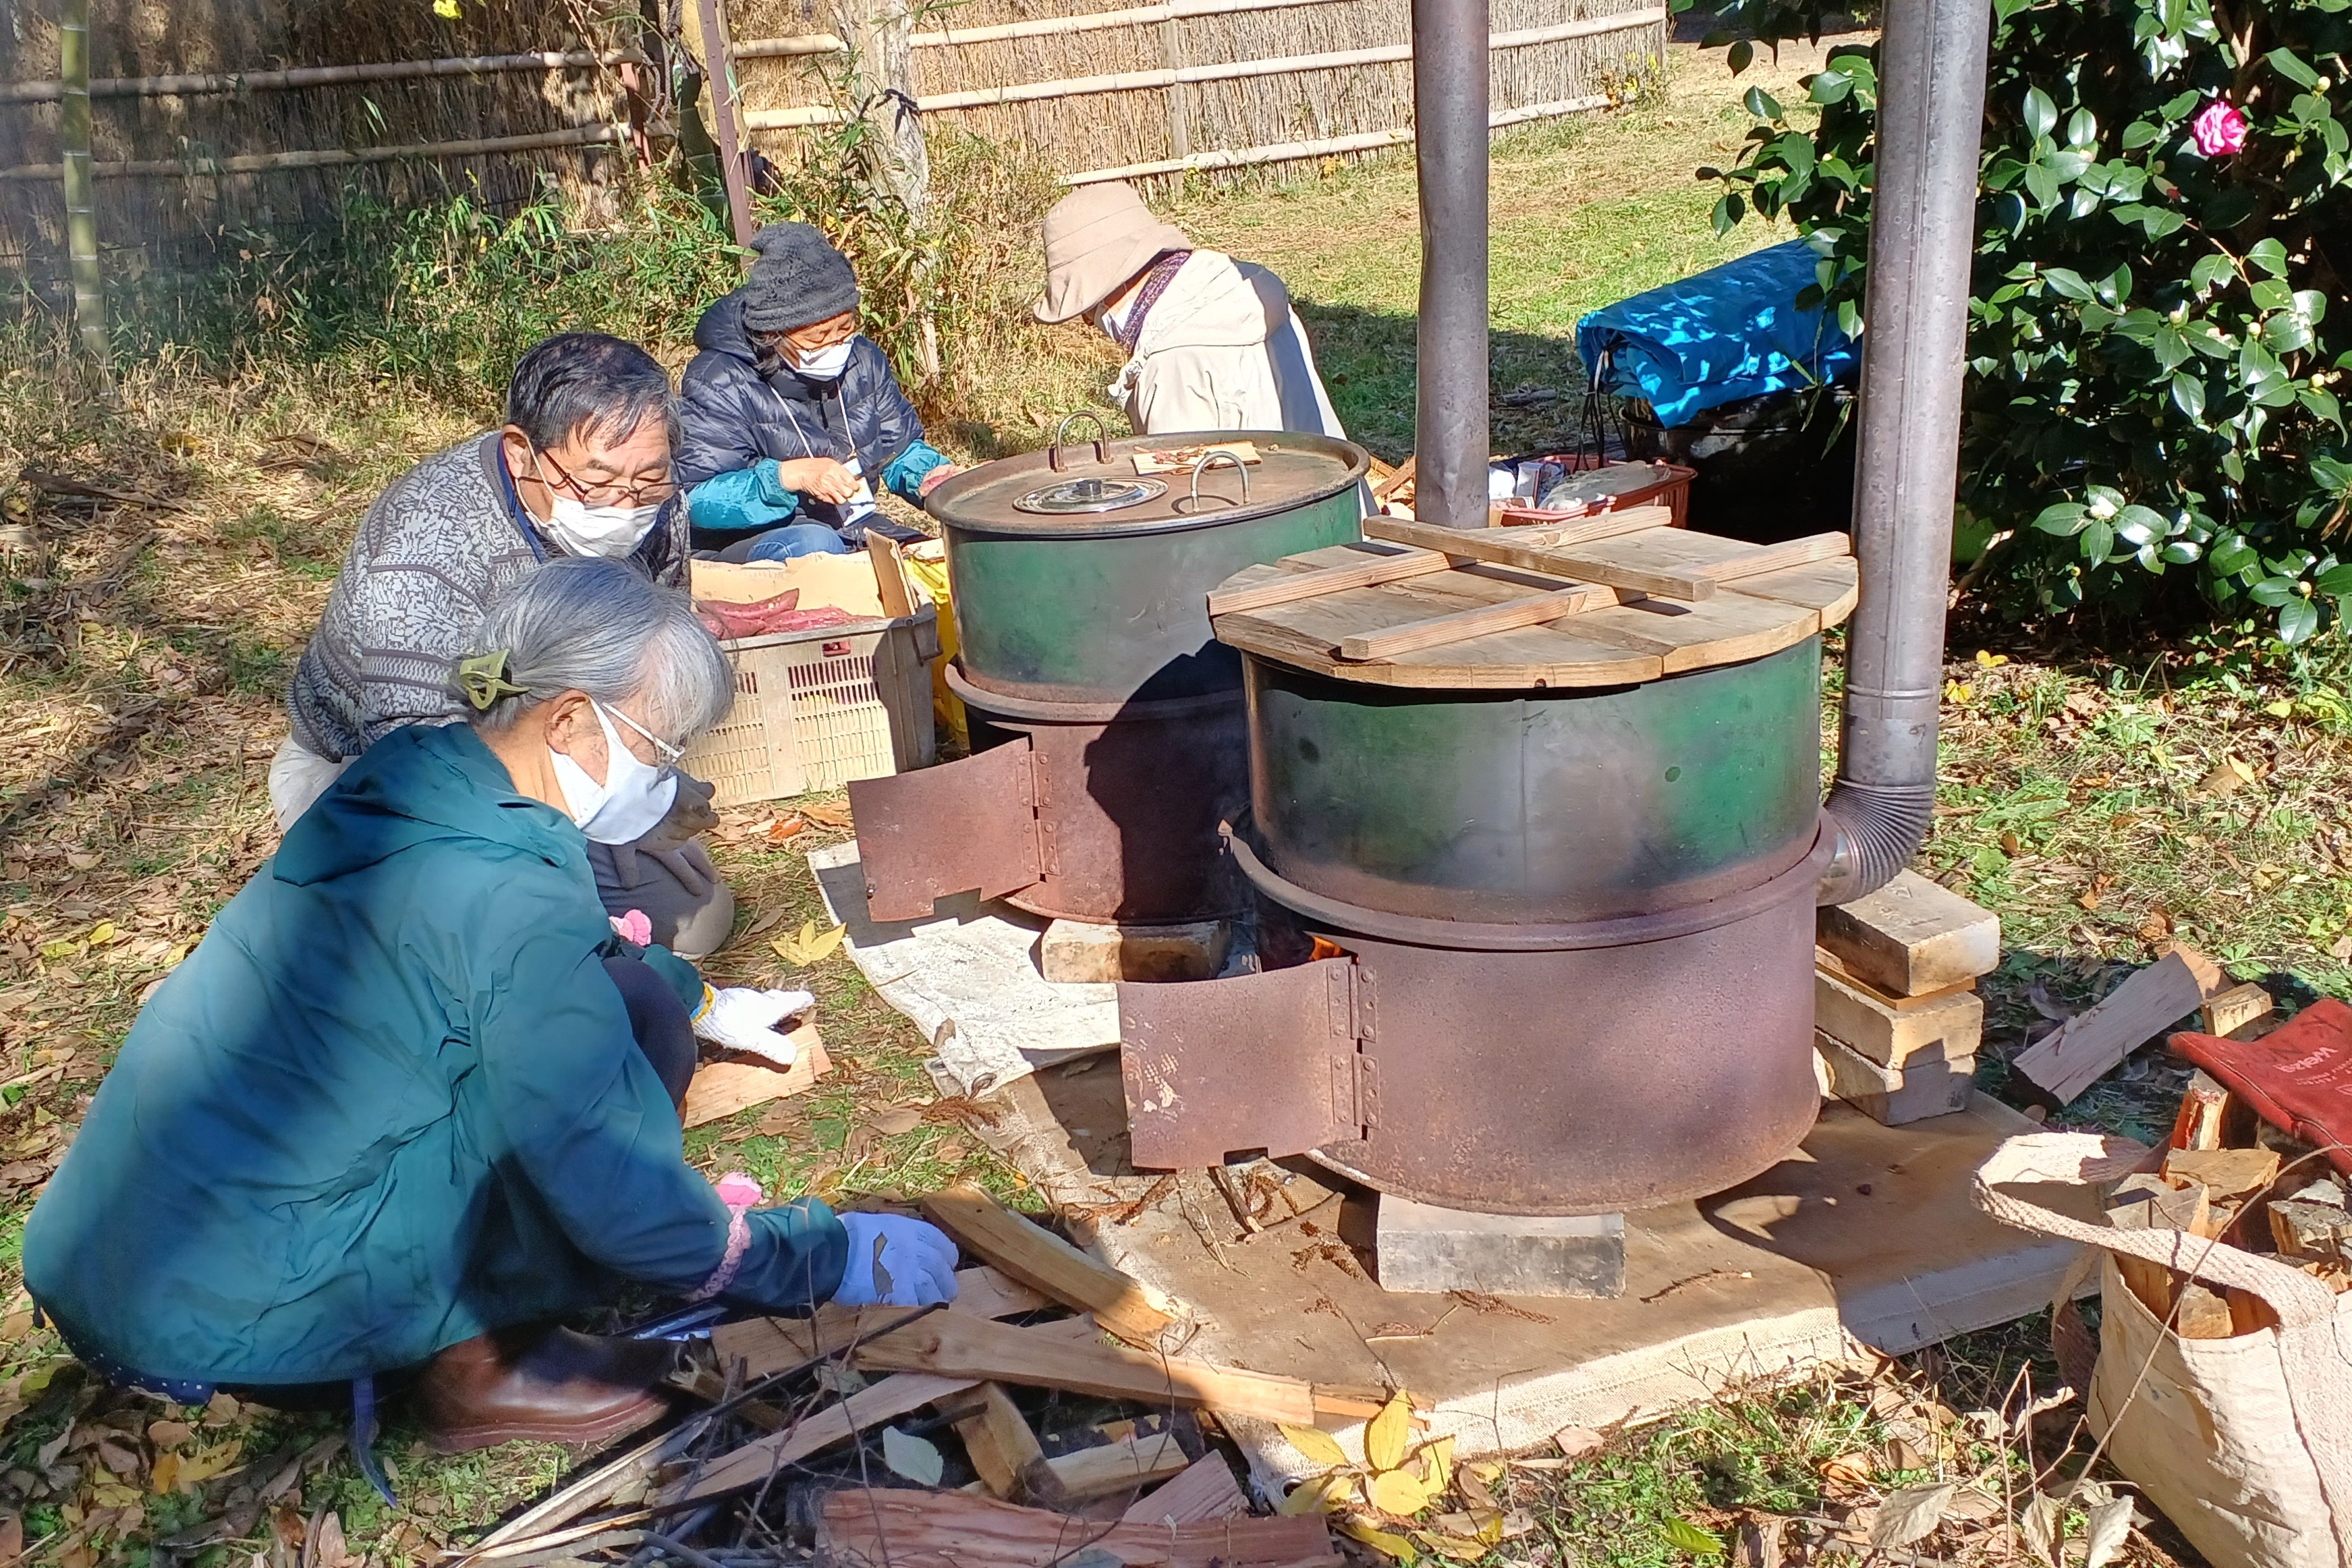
798, 281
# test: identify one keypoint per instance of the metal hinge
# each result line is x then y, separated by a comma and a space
1033, 794
1352, 1010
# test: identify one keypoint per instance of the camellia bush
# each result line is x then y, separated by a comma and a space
2159, 320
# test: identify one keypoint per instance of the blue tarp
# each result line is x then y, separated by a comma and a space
1729, 332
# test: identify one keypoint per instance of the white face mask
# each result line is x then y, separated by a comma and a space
825, 365
611, 531
633, 797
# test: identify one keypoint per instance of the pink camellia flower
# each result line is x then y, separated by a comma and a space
2219, 129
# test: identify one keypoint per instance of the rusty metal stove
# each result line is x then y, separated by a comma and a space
1106, 717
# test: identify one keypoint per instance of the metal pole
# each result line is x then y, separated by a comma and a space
80, 187
1931, 74
1449, 97
718, 69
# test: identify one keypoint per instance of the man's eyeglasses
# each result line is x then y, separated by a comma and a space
614, 493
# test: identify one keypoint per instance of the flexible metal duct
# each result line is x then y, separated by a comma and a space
1931, 73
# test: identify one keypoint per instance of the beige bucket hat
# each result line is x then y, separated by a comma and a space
1097, 238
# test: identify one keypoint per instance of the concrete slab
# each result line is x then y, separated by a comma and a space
1864, 1239
1422, 1248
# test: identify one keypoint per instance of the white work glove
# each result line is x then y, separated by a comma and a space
896, 1262
744, 1019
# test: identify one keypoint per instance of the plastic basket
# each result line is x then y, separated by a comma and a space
1672, 491
815, 710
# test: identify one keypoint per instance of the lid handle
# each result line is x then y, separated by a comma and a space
1062, 431
1205, 460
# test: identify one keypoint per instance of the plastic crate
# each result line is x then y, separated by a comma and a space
1672, 490
815, 710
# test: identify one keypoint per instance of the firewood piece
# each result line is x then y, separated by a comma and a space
953, 1346
2248, 1313
1398, 478
2199, 1123
985, 1292
2233, 1009
2144, 1202
2228, 1175
838, 1423
1044, 1261
1126, 1466
1911, 937
2311, 1231
2087, 1046
909, 1529
1004, 1451
2201, 1313
1205, 1491
770, 1347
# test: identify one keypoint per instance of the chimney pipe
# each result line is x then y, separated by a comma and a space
1450, 94
1931, 81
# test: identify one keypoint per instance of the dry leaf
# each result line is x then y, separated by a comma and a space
1387, 1434
2157, 926
2110, 1525
1576, 1442
1847, 1470
1758, 1543
2090, 896
1319, 1447
828, 816
169, 1434
916, 1458
808, 945
203, 1465
2341, 948
1387, 1544
784, 830
222, 1409
327, 1547
896, 1120
12, 1536
1399, 1492
2040, 1522
166, 1474
1472, 1486
2224, 779
1321, 1494
1911, 1514
1460, 1548
1437, 1461
120, 1457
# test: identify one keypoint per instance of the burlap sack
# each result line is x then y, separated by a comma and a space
2244, 1443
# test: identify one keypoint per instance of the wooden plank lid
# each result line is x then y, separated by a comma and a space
1608, 601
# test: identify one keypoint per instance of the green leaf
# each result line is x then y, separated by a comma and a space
2097, 542
2067, 282
2273, 591
2188, 396
2270, 256
1683, 1535
2270, 294
2297, 619
2287, 333
2040, 183
2231, 556
2138, 524
1829, 87
2310, 304
1740, 57
2040, 114
2323, 404
2082, 128
1762, 104
1728, 211
2062, 518
2209, 272
2139, 133
2335, 582
2288, 64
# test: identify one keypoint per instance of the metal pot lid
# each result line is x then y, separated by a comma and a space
1095, 489
1091, 495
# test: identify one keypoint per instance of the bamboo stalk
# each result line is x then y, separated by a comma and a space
318, 75
81, 213
1386, 54
719, 70
792, 48
263, 163
1328, 146
793, 119
1134, 16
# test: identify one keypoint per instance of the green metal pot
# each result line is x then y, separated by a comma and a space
1563, 805
1109, 604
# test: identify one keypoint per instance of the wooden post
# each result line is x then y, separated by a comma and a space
1179, 109
80, 187
880, 35
719, 70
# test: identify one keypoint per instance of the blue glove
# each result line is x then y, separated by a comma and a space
896, 1262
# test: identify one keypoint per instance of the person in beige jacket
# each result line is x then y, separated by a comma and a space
1212, 343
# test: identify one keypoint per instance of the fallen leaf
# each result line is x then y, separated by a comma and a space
784, 830
1399, 1492
1847, 1470
101, 933
2040, 1524
1321, 1494
896, 1120
169, 1434
221, 1410
2278, 710
1386, 1434
2341, 948
47, 1453
1681, 1534
1436, 1460
916, 1458
1991, 660
2225, 778
1394, 1547
2109, 1526
166, 1474
1462, 1549
2157, 926
1759, 1541
120, 1457
808, 945
202, 1467
1318, 1447
2090, 896
1911, 1514
327, 1547
81, 860
828, 816
1472, 1486
1576, 1442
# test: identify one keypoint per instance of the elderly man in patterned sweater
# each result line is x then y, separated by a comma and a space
582, 468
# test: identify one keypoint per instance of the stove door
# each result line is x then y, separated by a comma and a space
1269, 1063
963, 827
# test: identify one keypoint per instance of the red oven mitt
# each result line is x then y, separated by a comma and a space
2298, 1078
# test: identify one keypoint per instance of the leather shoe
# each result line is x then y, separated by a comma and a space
549, 1384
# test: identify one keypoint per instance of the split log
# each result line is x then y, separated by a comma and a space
2088, 1045
1205, 1491
1044, 1261
953, 1530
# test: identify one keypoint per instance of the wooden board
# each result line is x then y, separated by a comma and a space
1911, 936
909, 1529
762, 1347
1109, 1470
1044, 1261
1620, 645
1205, 1491
721, 1089
1004, 1449
1584, 563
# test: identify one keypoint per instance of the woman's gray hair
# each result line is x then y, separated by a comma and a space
584, 624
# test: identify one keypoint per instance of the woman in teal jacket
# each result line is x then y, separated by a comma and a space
401, 1107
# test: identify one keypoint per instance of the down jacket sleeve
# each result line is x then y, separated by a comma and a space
595, 1133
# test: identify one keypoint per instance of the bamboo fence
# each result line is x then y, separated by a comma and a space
205, 126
